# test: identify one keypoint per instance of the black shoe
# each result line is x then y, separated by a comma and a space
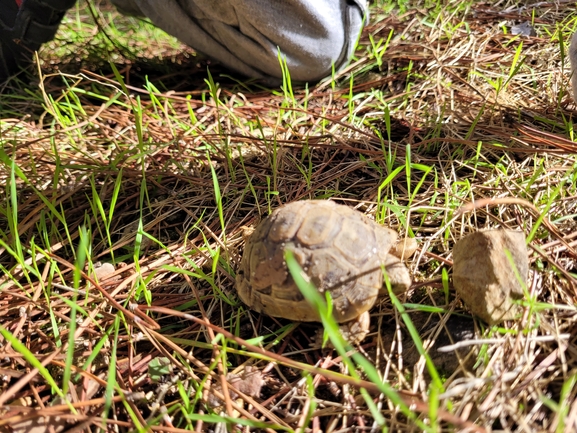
24, 26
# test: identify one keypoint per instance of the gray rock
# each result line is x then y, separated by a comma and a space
524, 29
484, 276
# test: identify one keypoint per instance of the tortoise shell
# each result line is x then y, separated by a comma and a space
339, 249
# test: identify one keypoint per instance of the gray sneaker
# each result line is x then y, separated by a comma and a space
24, 26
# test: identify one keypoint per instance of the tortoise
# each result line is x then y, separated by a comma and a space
339, 249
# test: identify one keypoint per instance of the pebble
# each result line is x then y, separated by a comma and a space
484, 276
103, 270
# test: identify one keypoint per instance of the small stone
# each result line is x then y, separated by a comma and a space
249, 382
524, 29
485, 277
103, 270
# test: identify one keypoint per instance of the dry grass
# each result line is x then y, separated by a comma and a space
161, 175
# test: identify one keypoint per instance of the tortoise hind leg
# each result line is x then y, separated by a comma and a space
354, 331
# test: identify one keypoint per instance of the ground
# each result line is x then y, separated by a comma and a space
125, 151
